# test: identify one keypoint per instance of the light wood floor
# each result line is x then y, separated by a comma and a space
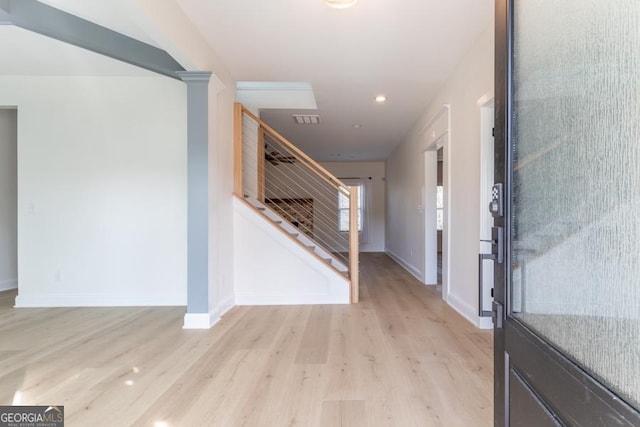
399, 358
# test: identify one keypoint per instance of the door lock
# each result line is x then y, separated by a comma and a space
496, 203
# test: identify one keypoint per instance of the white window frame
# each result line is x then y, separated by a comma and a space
343, 205
440, 208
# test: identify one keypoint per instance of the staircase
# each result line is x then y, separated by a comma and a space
301, 238
298, 197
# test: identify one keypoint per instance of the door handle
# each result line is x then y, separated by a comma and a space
497, 256
481, 259
497, 245
497, 314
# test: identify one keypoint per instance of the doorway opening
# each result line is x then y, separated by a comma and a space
439, 212
434, 215
434, 207
9, 199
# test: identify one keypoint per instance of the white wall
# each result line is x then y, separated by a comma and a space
8, 200
221, 276
102, 190
166, 23
271, 269
375, 235
471, 80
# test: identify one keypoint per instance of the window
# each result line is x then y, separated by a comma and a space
343, 210
440, 208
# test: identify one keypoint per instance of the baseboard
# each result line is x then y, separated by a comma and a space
207, 320
467, 311
83, 300
289, 299
227, 305
7, 285
411, 269
485, 323
201, 320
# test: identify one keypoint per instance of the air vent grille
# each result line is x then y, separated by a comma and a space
306, 119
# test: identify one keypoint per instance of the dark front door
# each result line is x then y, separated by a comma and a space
567, 292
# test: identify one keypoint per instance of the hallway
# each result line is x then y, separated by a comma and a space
401, 357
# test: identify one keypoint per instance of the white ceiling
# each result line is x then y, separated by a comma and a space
404, 49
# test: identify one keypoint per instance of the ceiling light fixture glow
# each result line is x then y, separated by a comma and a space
381, 98
341, 4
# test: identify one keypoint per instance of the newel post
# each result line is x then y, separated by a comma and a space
237, 149
354, 250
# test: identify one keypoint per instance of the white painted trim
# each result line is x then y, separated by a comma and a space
201, 320
443, 140
446, 231
415, 272
288, 299
434, 119
429, 209
95, 300
485, 323
227, 305
207, 320
7, 285
467, 311
252, 85
485, 100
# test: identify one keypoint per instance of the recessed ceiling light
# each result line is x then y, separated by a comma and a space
341, 4
381, 98
357, 126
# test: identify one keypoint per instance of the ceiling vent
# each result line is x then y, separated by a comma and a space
307, 119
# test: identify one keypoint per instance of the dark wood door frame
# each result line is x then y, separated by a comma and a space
562, 392
501, 174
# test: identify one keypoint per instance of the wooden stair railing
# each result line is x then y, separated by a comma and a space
281, 177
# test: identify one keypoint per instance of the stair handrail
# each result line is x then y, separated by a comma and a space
311, 165
299, 154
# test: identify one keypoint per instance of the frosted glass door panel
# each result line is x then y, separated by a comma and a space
576, 182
